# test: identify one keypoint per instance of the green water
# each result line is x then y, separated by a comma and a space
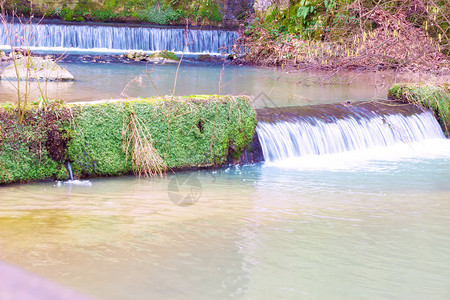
375, 230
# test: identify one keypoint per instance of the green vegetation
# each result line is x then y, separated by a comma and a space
319, 18
165, 54
33, 149
100, 139
304, 18
157, 15
435, 98
163, 12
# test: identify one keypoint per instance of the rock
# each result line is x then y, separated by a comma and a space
130, 55
141, 56
157, 57
23, 52
136, 55
263, 5
36, 68
204, 57
3, 56
19, 53
163, 57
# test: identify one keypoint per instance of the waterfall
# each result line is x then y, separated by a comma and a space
83, 37
69, 169
287, 133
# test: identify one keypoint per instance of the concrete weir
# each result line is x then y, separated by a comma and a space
193, 132
100, 138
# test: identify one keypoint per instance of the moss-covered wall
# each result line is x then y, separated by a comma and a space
195, 131
435, 98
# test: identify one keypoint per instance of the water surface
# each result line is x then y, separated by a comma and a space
271, 87
374, 229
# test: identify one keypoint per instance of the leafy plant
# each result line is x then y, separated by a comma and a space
158, 15
102, 15
209, 10
305, 10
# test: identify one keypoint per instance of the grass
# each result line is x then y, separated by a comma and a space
138, 144
433, 97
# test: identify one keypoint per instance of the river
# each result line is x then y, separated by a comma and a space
363, 223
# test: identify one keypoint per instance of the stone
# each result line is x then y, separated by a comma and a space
204, 57
262, 5
36, 68
3, 56
163, 57
130, 55
136, 55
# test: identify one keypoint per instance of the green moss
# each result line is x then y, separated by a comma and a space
194, 131
165, 54
435, 98
31, 150
187, 132
204, 57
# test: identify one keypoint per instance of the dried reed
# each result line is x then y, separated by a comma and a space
138, 144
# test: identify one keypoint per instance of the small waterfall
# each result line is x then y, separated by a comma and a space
283, 133
81, 37
69, 169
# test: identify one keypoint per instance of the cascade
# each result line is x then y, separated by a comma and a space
328, 129
69, 169
83, 37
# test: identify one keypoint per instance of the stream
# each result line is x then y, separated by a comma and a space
363, 214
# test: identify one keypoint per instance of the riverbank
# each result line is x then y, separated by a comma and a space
110, 138
402, 36
416, 54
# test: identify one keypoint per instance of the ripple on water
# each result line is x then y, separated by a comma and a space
282, 233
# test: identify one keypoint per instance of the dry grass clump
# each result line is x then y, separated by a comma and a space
138, 145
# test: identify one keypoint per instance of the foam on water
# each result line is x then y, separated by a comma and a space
74, 182
100, 51
373, 159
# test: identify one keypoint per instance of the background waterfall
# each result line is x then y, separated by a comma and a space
296, 135
81, 37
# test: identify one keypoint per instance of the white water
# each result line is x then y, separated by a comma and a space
383, 159
312, 137
110, 39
